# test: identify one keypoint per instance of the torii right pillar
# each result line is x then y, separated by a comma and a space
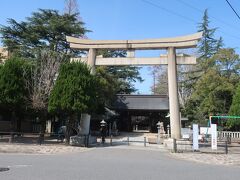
173, 94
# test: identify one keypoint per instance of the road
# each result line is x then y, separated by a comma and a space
110, 164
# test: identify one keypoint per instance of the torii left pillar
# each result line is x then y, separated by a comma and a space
85, 118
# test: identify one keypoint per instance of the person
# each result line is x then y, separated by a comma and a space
103, 133
41, 138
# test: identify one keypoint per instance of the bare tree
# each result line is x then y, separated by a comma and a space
71, 7
40, 80
160, 84
185, 83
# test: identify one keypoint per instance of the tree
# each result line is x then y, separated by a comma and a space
207, 64
71, 7
212, 95
40, 80
125, 75
44, 29
228, 64
208, 45
1, 58
234, 124
109, 87
160, 78
75, 92
12, 90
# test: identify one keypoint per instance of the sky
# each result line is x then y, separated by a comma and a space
140, 19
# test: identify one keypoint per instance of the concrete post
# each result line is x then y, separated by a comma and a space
173, 94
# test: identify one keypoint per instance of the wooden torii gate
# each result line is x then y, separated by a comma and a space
171, 59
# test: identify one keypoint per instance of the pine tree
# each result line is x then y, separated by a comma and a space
209, 45
124, 75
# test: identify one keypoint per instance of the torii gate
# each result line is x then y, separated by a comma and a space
171, 59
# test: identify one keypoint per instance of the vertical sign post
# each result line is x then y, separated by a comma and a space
214, 136
195, 137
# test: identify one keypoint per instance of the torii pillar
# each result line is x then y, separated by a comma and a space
170, 44
173, 94
84, 127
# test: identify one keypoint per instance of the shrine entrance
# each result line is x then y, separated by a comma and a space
171, 59
140, 113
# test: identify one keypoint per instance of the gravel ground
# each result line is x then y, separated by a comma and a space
39, 149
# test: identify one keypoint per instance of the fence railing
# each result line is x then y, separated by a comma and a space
22, 137
230, 134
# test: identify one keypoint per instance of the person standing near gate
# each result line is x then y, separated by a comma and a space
103, 125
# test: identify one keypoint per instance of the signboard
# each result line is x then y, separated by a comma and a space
214, 136
205, 130
195, 137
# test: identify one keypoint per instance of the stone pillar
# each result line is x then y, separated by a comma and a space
173, 95
84, 127
84, 124
48, 126
92, 59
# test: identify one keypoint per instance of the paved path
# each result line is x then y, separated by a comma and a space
110, 164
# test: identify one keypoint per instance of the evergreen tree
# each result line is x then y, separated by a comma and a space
75, 92
44, 29
124, 75
208, 45
12, 88
228, 63
234, 124
207, 66
212, 95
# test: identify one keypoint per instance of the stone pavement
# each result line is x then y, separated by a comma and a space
214, 159
39, 149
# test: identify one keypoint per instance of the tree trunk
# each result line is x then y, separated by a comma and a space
43, 121
13, 125
13, 121
19, 120
69, 129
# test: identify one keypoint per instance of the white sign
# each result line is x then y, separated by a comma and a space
205, 130
195, 137
214, 136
